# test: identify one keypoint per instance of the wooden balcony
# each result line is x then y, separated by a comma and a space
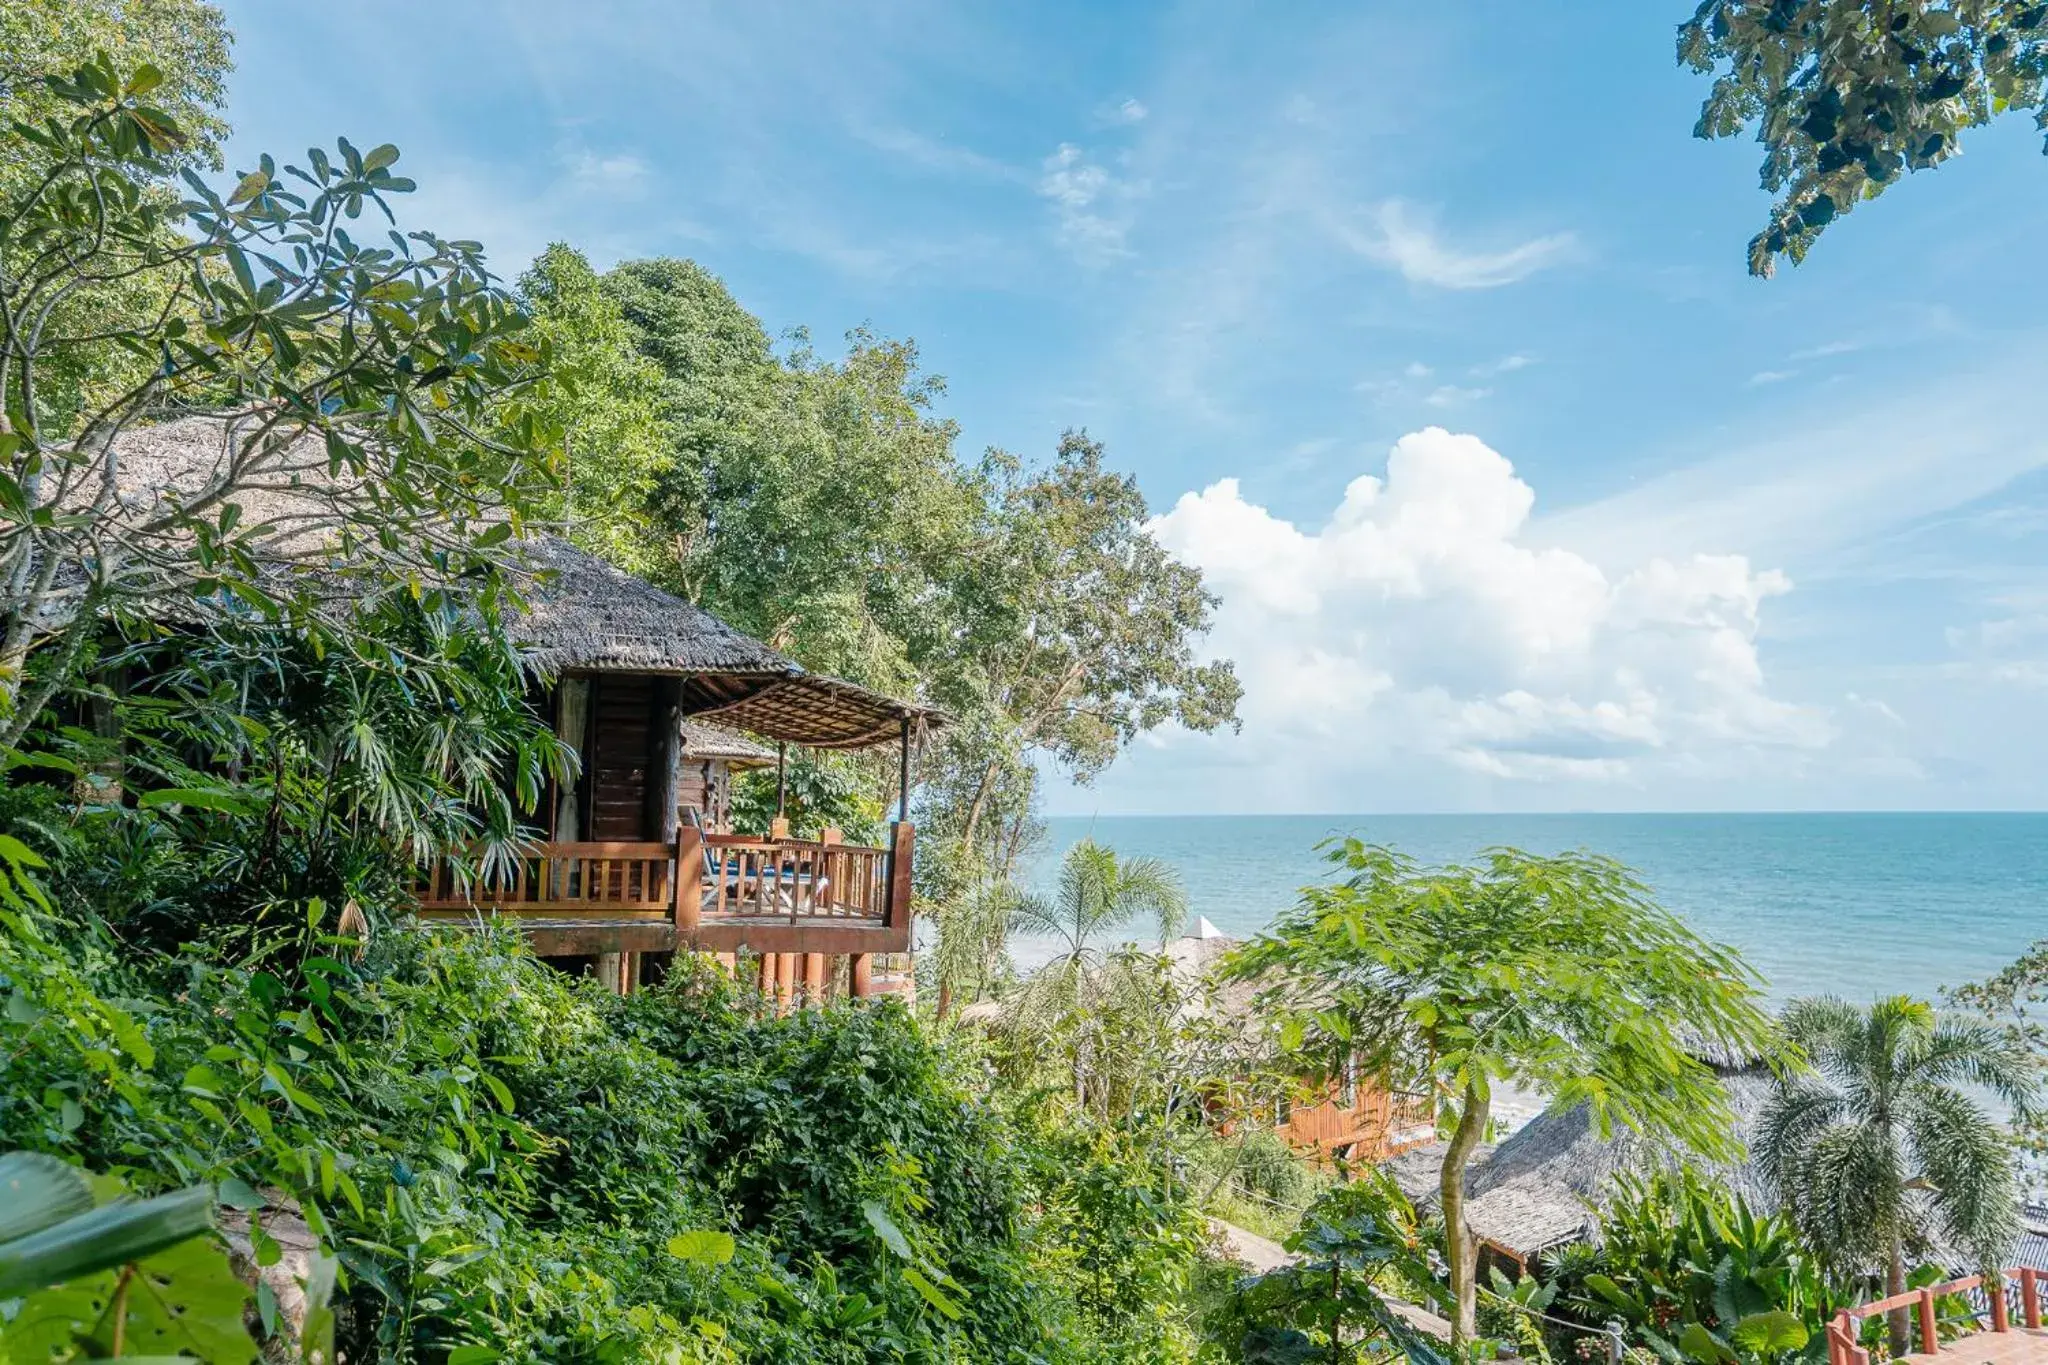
718, 893
1949, 1322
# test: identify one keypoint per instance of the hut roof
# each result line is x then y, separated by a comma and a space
581, 612
736, 750
1542, 1186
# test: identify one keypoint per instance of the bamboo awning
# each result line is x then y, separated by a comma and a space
809, 709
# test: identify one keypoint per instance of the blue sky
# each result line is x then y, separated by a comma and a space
1639, 533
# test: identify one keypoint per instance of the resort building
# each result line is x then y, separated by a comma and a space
637, 859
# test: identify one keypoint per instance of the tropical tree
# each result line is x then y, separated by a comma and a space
1880, 1146
608, 401
1066, 1005
1077, 631
1848, 95
359, 378
1561, 973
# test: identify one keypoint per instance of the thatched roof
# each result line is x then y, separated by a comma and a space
582, 614
1542, 1186
735, 750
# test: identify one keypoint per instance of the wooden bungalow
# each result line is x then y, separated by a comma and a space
637, 859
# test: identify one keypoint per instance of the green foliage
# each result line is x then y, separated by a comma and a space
503, 1156
1559, 972
1696, 1275
820, 789
1881, 1149
609, 401
268, 772
1359, 1246
1092, 1007
1846, 96
126, 1277
364, 376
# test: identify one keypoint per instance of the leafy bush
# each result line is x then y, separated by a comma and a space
1695, 1274
511, 1161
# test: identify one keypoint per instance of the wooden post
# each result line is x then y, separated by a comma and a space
1839, 1335
689, 842
2030, 1297
902, 845
1994, 1289
859, 976
785, 980
730, 962
611, 972
903, 775
814, 978
1929, 1342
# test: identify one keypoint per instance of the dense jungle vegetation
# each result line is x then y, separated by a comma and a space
209, 981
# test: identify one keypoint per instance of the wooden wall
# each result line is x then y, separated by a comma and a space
622, 741
621, 749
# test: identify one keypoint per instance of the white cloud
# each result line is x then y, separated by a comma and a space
1131, 111
1450, 396
1420, 624
1762, 377
1092, 205
1507, 364
1408, 241
616, 171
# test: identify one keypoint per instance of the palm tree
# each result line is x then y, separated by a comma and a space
1880, 1144
1064, 1002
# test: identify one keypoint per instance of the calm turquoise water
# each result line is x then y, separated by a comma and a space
1859, 905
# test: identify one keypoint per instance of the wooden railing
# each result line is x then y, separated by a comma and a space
792, 879
1844, 1332
609, 879
718, 890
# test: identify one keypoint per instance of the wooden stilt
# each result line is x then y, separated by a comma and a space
860, 976
814, 978
611, 972
785, 980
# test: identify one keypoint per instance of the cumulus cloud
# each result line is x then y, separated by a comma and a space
1091, 205
1408, 240
1418, 623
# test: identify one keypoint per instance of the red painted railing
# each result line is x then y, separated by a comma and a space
1844, 1348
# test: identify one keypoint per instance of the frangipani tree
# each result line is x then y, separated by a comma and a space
1881, 1143
370, 384
1558, 973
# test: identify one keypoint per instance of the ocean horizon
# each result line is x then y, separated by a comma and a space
1857, 904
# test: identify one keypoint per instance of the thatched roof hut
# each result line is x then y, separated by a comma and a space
1544, 1185
581, 613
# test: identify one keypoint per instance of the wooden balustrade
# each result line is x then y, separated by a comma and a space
792, 879
1845, 1330
609, 879
717, 891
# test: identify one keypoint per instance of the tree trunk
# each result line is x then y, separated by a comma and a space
1899, 1319
1461, 1248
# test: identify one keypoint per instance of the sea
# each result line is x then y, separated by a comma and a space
1855, 905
